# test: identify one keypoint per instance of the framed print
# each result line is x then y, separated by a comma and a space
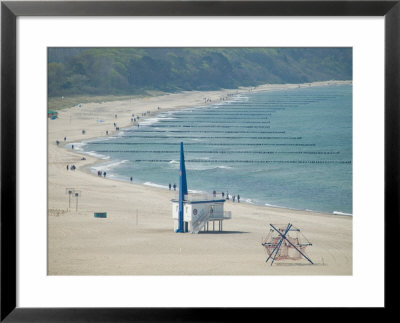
268, 130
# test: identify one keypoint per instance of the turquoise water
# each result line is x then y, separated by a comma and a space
287, 148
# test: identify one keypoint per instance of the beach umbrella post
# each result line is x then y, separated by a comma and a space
69, 191
77, 194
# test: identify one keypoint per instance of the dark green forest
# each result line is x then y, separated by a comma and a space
122, 71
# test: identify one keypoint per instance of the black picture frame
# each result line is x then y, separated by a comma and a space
10, 10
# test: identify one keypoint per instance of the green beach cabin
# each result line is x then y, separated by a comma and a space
52, 114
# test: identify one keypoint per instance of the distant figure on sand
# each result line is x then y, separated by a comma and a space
57, 142
72, 146
131, 179
104, 174
67, 167
223, 194
227, 195
65, 138
174, 187
169, 186
214, 193
233, 198
238, 198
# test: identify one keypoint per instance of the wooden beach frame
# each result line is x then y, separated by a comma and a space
11, 10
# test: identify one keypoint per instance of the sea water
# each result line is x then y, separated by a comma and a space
287, 148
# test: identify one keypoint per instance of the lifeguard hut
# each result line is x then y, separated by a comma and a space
195, 212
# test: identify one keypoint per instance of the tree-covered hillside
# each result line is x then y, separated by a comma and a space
117, 71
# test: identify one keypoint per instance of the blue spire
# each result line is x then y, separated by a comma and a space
182, 190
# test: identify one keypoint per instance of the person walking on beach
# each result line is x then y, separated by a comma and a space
233, 198
223, 194
104, 173
72, 146
67, 167
214, 193
131, 179
169, 186
238, 198
174, 187
227, 195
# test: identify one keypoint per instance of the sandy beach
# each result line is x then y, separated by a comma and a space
137, 237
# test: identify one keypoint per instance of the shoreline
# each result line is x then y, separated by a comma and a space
137, 237
261, 88
243, 199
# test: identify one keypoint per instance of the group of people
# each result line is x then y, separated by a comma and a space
227, 196
170, 186
99, 173
233, 197
58, 142
146, 113
238, 198
73, 167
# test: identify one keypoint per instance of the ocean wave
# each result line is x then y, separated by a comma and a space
78, 146
341, 213
204, 167
278, 206
96, 155
150, 121
155, 185
167, 118
241, 99
110, 166
100, 139
196, 192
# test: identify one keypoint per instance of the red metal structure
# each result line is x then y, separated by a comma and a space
285, 242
